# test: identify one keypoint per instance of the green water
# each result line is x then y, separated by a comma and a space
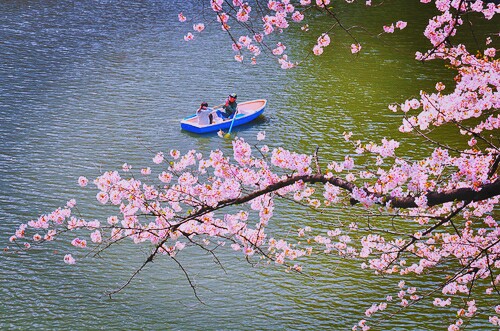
85, 87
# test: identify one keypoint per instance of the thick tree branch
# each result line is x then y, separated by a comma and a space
433, 198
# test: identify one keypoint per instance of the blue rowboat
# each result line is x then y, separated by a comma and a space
247, 111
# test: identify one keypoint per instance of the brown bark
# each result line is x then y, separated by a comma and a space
433, 198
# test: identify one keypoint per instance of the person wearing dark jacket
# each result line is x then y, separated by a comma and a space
229, 108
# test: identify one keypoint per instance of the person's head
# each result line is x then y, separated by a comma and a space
232, 96
204, 105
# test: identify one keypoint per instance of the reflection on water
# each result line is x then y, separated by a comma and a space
87, 86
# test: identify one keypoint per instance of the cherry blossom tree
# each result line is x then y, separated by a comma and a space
448, 199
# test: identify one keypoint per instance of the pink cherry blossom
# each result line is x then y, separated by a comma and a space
158, 158
491, 52
389, 28
112, 220
401, 25
324, 40
441, 303
71, 203
228, 198
222, 18
216, 5
242, 14
280, 48
175, 154
237, 47
77, 242
355, 48
69, 259
102, 197
199, 27
297, 16
258, 37
245, 40
96, 236
440, 86
317, 50
322, 3
82, 181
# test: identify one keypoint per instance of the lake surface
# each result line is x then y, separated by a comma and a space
87, 86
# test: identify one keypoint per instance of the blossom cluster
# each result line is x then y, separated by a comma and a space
279, 17
178, 201
182, 209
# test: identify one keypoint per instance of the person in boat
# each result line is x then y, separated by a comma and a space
204, 114
229, 108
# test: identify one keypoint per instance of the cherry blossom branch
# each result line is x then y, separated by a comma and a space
452, 23
134, 274
448, 281
210, 251
187, 277
339, 22
457, 123
492, 273
434, 198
